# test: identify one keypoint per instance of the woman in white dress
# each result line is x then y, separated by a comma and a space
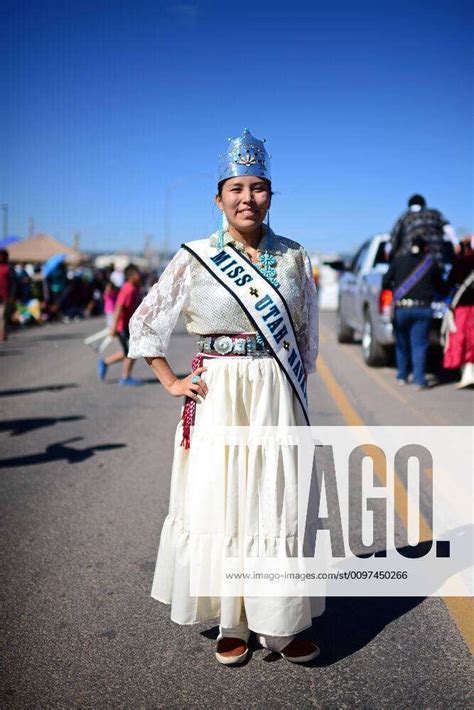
238, 379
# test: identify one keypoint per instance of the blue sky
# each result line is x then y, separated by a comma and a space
109, 104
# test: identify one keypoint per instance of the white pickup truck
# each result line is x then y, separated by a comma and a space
364, 308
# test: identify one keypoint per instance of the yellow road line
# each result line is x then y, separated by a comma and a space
345, 407
460, 608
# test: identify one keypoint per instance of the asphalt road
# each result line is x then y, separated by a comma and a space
85, 480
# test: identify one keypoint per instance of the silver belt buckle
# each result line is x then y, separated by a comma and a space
207, 345
223, 345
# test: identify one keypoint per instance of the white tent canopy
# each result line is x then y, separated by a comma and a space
120, 261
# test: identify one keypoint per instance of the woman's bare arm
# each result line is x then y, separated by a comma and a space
173, 384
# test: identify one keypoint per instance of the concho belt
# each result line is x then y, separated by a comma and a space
241, 344
412, 302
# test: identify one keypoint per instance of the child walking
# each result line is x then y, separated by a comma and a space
128, 300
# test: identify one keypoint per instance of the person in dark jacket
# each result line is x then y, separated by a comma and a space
419, 220
413, 313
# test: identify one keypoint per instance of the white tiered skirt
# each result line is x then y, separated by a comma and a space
207, 495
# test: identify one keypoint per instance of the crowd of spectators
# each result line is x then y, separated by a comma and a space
66, 293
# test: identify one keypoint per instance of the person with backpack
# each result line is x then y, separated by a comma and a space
419, 220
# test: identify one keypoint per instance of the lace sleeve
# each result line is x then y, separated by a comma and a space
310, 339
152, 323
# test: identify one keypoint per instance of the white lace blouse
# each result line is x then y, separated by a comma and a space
187, 287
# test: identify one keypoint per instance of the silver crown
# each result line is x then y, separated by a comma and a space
245, 155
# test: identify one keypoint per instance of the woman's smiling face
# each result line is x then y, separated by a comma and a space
245, 201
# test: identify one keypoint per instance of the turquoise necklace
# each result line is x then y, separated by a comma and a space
266, 263
266, 266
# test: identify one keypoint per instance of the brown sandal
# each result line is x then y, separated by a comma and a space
300, 651
231, 651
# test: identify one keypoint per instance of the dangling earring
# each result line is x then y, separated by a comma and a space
268, 219
222, 228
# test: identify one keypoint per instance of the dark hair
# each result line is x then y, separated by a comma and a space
417, 200
221, 184
130, 269
3, 256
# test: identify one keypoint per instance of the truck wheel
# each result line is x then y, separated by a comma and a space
344, 333
374, 353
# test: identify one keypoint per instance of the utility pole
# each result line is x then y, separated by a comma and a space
4, 220
76, 241
147, 247
31, 226
167, 220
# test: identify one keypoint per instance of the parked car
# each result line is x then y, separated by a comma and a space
364, 307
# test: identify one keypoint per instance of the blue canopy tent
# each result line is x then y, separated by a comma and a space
9, 240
